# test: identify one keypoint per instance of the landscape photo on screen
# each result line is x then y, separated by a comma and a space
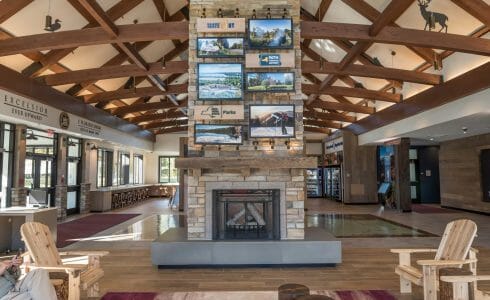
218, 134
270, 82
220, 47
270, 33
271, 121
220, 81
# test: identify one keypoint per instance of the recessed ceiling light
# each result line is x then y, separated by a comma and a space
431, 139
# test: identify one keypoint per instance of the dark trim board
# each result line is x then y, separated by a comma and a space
30, 88
246, 266
172, 249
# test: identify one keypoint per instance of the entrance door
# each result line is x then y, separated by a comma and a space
73, 190
485, 172
39, 179
429, 174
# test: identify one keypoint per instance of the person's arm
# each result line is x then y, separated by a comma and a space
4, 265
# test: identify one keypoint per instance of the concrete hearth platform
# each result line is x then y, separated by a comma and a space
172, 249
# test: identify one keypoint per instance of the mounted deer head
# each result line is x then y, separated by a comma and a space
431, 18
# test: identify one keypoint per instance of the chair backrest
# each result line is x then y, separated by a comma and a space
456, 241
40, 244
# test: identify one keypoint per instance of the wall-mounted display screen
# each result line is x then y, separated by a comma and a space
272, 121
220, 47
270, 82
217, 81
218, 134
270, 33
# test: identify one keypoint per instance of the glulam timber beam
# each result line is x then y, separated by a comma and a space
394, 10
318, 103
370, 71
322, 124
95, 36
133, 93
464, 85
309, 89
119, 111
165, 123
317, 129
109, 72
396, 35
155, 117
313, 114
171, 130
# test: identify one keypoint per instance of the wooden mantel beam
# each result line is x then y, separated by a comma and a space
95, 36
246, 162
395, 35
309, 89
370, 71
109, 72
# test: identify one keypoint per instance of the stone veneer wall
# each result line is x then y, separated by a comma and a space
291, 182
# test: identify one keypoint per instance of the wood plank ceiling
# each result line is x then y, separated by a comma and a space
350, 76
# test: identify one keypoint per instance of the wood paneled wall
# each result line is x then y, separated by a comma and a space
359, 171
460, 173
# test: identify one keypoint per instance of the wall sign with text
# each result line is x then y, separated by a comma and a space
269, 60
218, 112
221, 25
334, 146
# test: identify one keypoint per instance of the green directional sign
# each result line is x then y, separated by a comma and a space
270, 59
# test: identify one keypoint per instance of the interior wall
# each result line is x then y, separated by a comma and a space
460, 173
165, 145
314, 148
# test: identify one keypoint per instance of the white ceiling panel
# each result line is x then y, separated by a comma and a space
89, 57
30, 20
15, 62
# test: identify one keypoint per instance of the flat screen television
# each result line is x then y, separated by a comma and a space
220, 47
270, 33
219, 81
272, 121
218, 134
278, 82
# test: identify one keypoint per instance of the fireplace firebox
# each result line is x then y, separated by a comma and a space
246, 214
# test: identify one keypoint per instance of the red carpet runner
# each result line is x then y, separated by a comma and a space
336, 295
88, 226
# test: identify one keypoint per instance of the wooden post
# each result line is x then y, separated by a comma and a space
405, 284
402, 175
430, 282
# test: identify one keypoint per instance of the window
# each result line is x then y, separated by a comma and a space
6, 159
123, 168
40, 142
104, 167
167, 171
138, 169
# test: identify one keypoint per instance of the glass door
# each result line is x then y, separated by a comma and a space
39, 180
73, 176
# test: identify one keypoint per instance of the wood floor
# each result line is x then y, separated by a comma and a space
367, 263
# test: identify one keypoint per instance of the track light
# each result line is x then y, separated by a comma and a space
288, 144
255, 143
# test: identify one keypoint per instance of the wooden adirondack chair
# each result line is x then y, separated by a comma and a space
454, 251
44, 254
461, 286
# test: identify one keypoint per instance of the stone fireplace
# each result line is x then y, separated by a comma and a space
246, 214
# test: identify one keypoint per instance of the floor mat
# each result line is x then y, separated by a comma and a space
70, 232
429, 209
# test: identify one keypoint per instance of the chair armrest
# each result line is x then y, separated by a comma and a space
474, 250
465, 278
84, 253
431, 262
60, 268
412, 250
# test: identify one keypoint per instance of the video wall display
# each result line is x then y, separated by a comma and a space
220, 81
272, 121
270, 81
218, 134
220, 47
270, 33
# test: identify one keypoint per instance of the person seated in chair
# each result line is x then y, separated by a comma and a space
35, 285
